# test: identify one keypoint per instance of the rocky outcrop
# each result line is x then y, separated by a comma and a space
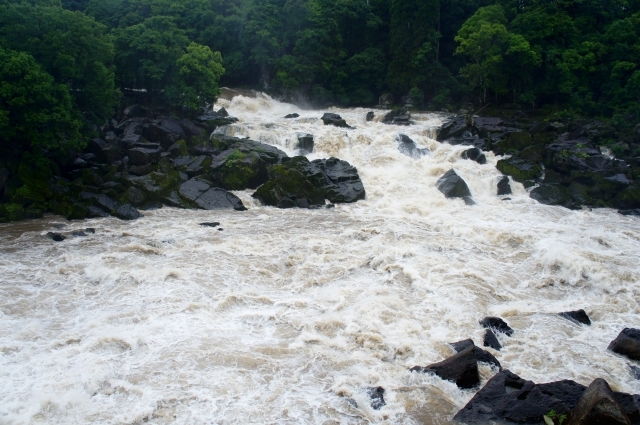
461, 368
475, 154
627, 343
491, 340
598, 406
453, 186
483, 356
409, 148
496, 324
397, 117
334, 120
578, 316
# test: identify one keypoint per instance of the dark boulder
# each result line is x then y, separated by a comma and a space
370, 116
290, 116
143, 156
191, 129
598, 405
105, 202
285, 186
179, 148
342, 183
56, 237
627, 343
503, 186
483, 356
507, 398
193, 188
567, 391
408, 147
223, 112
461, 368
219, 199
453, 127
496, 324
490, 340
127, 212
165, 131
579, 316
377, 397
140, 170
452, 185
79, 234
519, 169
305, 142
512, 142
628, 198
96, 212
135, 196
398, 117
213, 120
475, 154
553, 194
335, 120
213, 224
635, 213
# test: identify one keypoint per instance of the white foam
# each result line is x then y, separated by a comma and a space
285, 315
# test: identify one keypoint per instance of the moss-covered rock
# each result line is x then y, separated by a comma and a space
236, 170
629, 198
286, 186
512, 143
519, 169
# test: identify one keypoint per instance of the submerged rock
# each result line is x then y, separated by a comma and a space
482, 356
497, 324
409, 148
370, 116
377, 397
289, 116
452, 185
579, 316
214, 224
627, 343
461, 368
56, 237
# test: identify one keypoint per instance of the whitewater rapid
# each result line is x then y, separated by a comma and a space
287, 316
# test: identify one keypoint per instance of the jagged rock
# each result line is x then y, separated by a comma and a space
553, 194
496, 324
342, 183
370, 116
127, 212
598, 406
579, 316
503, 186
219, 199
143, 156
173, 200
223, 112
193, 188
490, 340
482, 356
512, 142
627, 343
191, 129
285, 186
305, 142
453, 127
398, 117
508, 398
468, 200
475, 154
461, 368
289, 116
179, 148
56, 237
452, 185
105, 202
165, 131
409, 148
335, 120
377, 397
519, 169
198, 166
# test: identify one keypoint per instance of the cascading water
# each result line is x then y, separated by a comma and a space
288, 316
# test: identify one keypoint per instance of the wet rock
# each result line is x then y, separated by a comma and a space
452, 185
285, 186
223, 112
503, 186
173, 200
552, 194
579, 316
377, 397
461, 368
475, 154
214, 224
78, 234
496, 324
519, 169
95, 212
305, 143
127, 212
370, 116
567, 391
627, 343
197, 167
193, 188
512, 142
56, 237
335, 120
165, 131
409, 148
490, 340
598, 406
144, 156
135, 196
468, 200
342, 183
508, 398
219, 199
191, 130
290, 116
482, 356
90, 230
397, 117
303, 203
179, 148
453, 127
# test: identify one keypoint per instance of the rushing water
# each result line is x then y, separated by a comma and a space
287, 316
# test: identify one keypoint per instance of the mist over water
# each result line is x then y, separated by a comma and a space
287, 316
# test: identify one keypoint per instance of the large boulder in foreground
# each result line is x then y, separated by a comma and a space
452, 185
461, 368
627, 343
297, 178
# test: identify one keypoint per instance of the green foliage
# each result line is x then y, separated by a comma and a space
199, 72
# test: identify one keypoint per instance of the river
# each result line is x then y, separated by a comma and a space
287, 316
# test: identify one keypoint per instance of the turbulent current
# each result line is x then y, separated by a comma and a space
288, 316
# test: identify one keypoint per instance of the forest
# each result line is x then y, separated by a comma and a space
65, 65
